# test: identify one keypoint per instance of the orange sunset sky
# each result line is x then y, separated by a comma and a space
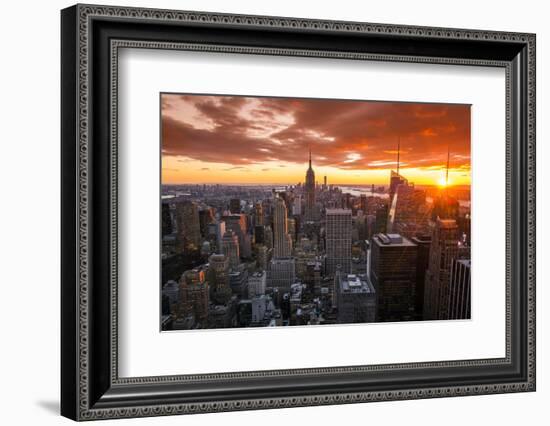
236, 139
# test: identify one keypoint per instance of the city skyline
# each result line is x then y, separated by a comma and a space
255, 140
314, 251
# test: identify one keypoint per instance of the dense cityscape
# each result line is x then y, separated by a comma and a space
314, 253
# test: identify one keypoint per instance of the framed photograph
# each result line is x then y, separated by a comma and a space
264, 212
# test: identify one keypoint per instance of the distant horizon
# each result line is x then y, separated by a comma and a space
365, 185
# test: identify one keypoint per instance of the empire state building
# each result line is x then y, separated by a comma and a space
310, 193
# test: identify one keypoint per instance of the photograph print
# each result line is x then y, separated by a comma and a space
279, 211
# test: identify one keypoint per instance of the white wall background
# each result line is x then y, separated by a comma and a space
29, 212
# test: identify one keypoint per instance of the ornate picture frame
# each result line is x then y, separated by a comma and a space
91, 37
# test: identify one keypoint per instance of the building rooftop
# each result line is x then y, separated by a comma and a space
392, 240
352, 283
338, 211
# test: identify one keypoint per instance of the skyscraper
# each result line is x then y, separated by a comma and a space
423, 243
291, 225
259, 234
338, 240
237, 224
445, 206
259, 214
355, 299
238, 281
235, 205
310, 193
268, 237
215, 233
395, 178
459, 289
297, 206
282, 247
194, 294
261, 256
230, 248
443, 249
188, 224
282, 273
393, 274
206, 216
381, 221
408, 213
218, 278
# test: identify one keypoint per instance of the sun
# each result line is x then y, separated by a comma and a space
442, 182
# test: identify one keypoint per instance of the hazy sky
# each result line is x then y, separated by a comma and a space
231, 139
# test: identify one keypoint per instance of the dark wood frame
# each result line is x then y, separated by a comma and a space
91, 37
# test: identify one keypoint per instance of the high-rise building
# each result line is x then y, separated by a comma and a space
256, 284
282, 247
206, 216
188, 224
459, 290
465, 229
395, 178
445, 207
230, 248
261, 256
291, 225
297, 206
363, 203
215, 233
309, 190
238, 281
193, 293
246, 246
302, 259
281, 273
360, 226
218, 278
268, 237
393, 274
370, 225
235, 205
408, 214
381, 219
287, 198
355, 299
423, 243
237, 224
444, 248
259, 234
338, 241
258, 214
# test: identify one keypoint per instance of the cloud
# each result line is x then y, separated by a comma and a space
356, 135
